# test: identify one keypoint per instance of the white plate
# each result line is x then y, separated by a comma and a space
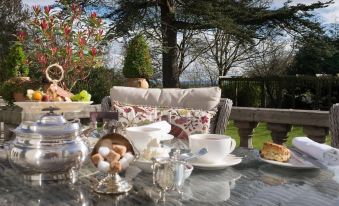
166, 137
228, 161
36, 107
294, 162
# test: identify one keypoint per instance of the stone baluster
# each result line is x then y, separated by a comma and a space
317, 134
279, 132
245, 131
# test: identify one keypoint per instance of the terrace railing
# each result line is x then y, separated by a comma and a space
280, 121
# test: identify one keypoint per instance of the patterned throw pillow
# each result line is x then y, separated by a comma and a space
184, 122
134, 115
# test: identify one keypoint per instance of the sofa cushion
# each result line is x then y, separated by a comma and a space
134, 115
184, 122
195, 98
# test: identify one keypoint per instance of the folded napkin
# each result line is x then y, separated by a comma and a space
163, 125
322, 152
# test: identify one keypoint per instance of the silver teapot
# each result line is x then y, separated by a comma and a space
50, 149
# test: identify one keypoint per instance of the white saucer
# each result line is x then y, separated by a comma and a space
294, 162
228, 161
165, 137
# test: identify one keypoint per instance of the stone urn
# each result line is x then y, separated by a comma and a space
137, 82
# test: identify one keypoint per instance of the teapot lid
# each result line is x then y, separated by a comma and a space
50, 124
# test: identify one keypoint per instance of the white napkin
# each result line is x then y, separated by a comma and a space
322, 152
163, 125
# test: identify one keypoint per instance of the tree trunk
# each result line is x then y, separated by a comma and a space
170, 71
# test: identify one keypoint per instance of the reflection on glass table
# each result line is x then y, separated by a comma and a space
250, 183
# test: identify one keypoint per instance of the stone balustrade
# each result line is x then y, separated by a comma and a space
280, 121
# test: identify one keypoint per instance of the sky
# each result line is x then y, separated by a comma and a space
327, 15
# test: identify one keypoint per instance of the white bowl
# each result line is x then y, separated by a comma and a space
141, 136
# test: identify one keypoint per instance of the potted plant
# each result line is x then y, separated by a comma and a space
138, 64
15, 72
14, 89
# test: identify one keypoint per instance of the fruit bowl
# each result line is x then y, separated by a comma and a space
36, 107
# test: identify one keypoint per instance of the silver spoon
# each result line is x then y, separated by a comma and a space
189, 156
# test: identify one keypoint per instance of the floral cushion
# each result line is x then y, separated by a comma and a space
134, 115
184, 122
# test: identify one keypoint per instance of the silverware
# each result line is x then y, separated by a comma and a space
189, 156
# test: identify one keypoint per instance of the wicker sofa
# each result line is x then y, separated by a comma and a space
334, 124
195, 98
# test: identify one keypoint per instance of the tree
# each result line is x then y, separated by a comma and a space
244, 19
12, 14
317, 54
226, 51
15, 64
271, 57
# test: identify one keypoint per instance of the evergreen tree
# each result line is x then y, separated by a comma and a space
12, 16
15, 63
244, 19
138, 63
317, 54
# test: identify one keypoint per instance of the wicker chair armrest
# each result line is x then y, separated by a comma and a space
106, 104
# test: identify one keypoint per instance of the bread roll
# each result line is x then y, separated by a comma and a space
276, 152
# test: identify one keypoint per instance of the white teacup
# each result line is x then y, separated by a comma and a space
140, 136
218, 146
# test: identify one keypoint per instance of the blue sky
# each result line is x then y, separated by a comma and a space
327, 15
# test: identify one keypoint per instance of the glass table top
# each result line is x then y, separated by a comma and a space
252, 182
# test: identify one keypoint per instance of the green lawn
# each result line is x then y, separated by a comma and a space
261, 134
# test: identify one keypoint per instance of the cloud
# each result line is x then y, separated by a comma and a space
35, 2
326, 15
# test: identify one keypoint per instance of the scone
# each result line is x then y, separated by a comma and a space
272, 151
